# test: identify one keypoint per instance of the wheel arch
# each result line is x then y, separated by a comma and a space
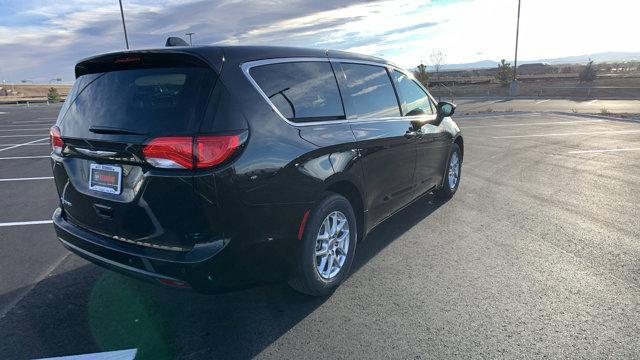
458, 140
351, 192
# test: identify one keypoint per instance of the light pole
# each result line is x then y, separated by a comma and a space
513, 87
189, 34
126, 39
515, 61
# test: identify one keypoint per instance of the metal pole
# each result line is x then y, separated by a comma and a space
515, 61
126, 39
190, 43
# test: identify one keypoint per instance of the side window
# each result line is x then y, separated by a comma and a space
371, 91
301, 91
411, 94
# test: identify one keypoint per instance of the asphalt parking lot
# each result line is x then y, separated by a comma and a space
536, 256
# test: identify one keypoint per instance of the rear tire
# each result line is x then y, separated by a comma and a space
323, 264
452, 174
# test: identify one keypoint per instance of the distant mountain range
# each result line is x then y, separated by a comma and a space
599, 57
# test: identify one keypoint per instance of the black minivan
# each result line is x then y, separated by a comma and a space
214, 168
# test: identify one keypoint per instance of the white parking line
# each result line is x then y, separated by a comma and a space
110, 355
39, 129
536, 123
12, 125
27, 179
568, 134
48, 118
23, 144
24, 157
542, 101
32, 121
22, 223
593, 102
602, 151
21, 135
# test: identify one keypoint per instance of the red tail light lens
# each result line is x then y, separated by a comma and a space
215, 149
174, 152
56, 140
186, 152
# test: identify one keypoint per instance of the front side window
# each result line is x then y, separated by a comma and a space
301, 91
371, 91
412, 96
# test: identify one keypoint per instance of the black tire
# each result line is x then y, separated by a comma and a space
447, 191
305, 277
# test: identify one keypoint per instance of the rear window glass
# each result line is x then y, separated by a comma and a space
301, 91
371, 91
150, 101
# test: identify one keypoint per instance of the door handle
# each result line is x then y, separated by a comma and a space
410, 134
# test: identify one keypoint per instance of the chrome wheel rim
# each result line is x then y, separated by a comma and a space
332, 245
454, 170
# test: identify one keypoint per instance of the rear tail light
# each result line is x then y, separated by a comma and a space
170, 152
186, 152
56, 140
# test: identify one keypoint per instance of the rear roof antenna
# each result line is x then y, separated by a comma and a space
175, 41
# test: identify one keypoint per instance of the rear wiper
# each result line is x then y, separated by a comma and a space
108, 130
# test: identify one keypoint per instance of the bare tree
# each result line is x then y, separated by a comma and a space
437, 60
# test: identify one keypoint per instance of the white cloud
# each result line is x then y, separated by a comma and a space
45, 40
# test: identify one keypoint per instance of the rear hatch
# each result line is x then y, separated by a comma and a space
126, 134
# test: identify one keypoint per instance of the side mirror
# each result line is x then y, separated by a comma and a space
444, 109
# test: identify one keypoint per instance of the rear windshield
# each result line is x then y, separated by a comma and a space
147, 101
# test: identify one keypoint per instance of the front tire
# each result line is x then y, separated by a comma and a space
452, 174
327, 249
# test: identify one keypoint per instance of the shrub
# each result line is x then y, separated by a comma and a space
505, 73
53, 95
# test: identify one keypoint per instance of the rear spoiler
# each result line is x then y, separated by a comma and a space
209, 56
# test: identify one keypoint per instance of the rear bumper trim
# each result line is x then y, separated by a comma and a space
115, 263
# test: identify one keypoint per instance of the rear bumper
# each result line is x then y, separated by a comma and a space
204, 269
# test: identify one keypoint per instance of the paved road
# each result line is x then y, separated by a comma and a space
536, 256
473, 105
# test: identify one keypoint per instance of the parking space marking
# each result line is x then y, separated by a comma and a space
38, 129
536, 123
602, 151
24, 157
12, 125
21, 135
24, 144
27, 143
22, 223
593, 102
542, 101
47, 118
27, 179
33, 121
568, 134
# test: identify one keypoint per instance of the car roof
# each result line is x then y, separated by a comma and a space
217, 55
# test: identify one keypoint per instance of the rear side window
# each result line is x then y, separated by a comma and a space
301, 91
371, 91
411, 95
148, 101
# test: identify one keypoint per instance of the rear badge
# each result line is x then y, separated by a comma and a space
105, 178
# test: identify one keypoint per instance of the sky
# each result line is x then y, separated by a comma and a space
42, 40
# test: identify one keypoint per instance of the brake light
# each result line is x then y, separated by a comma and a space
174, 152
215, 149
56, 140
186, 152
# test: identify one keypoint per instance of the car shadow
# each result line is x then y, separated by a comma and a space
84, 309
